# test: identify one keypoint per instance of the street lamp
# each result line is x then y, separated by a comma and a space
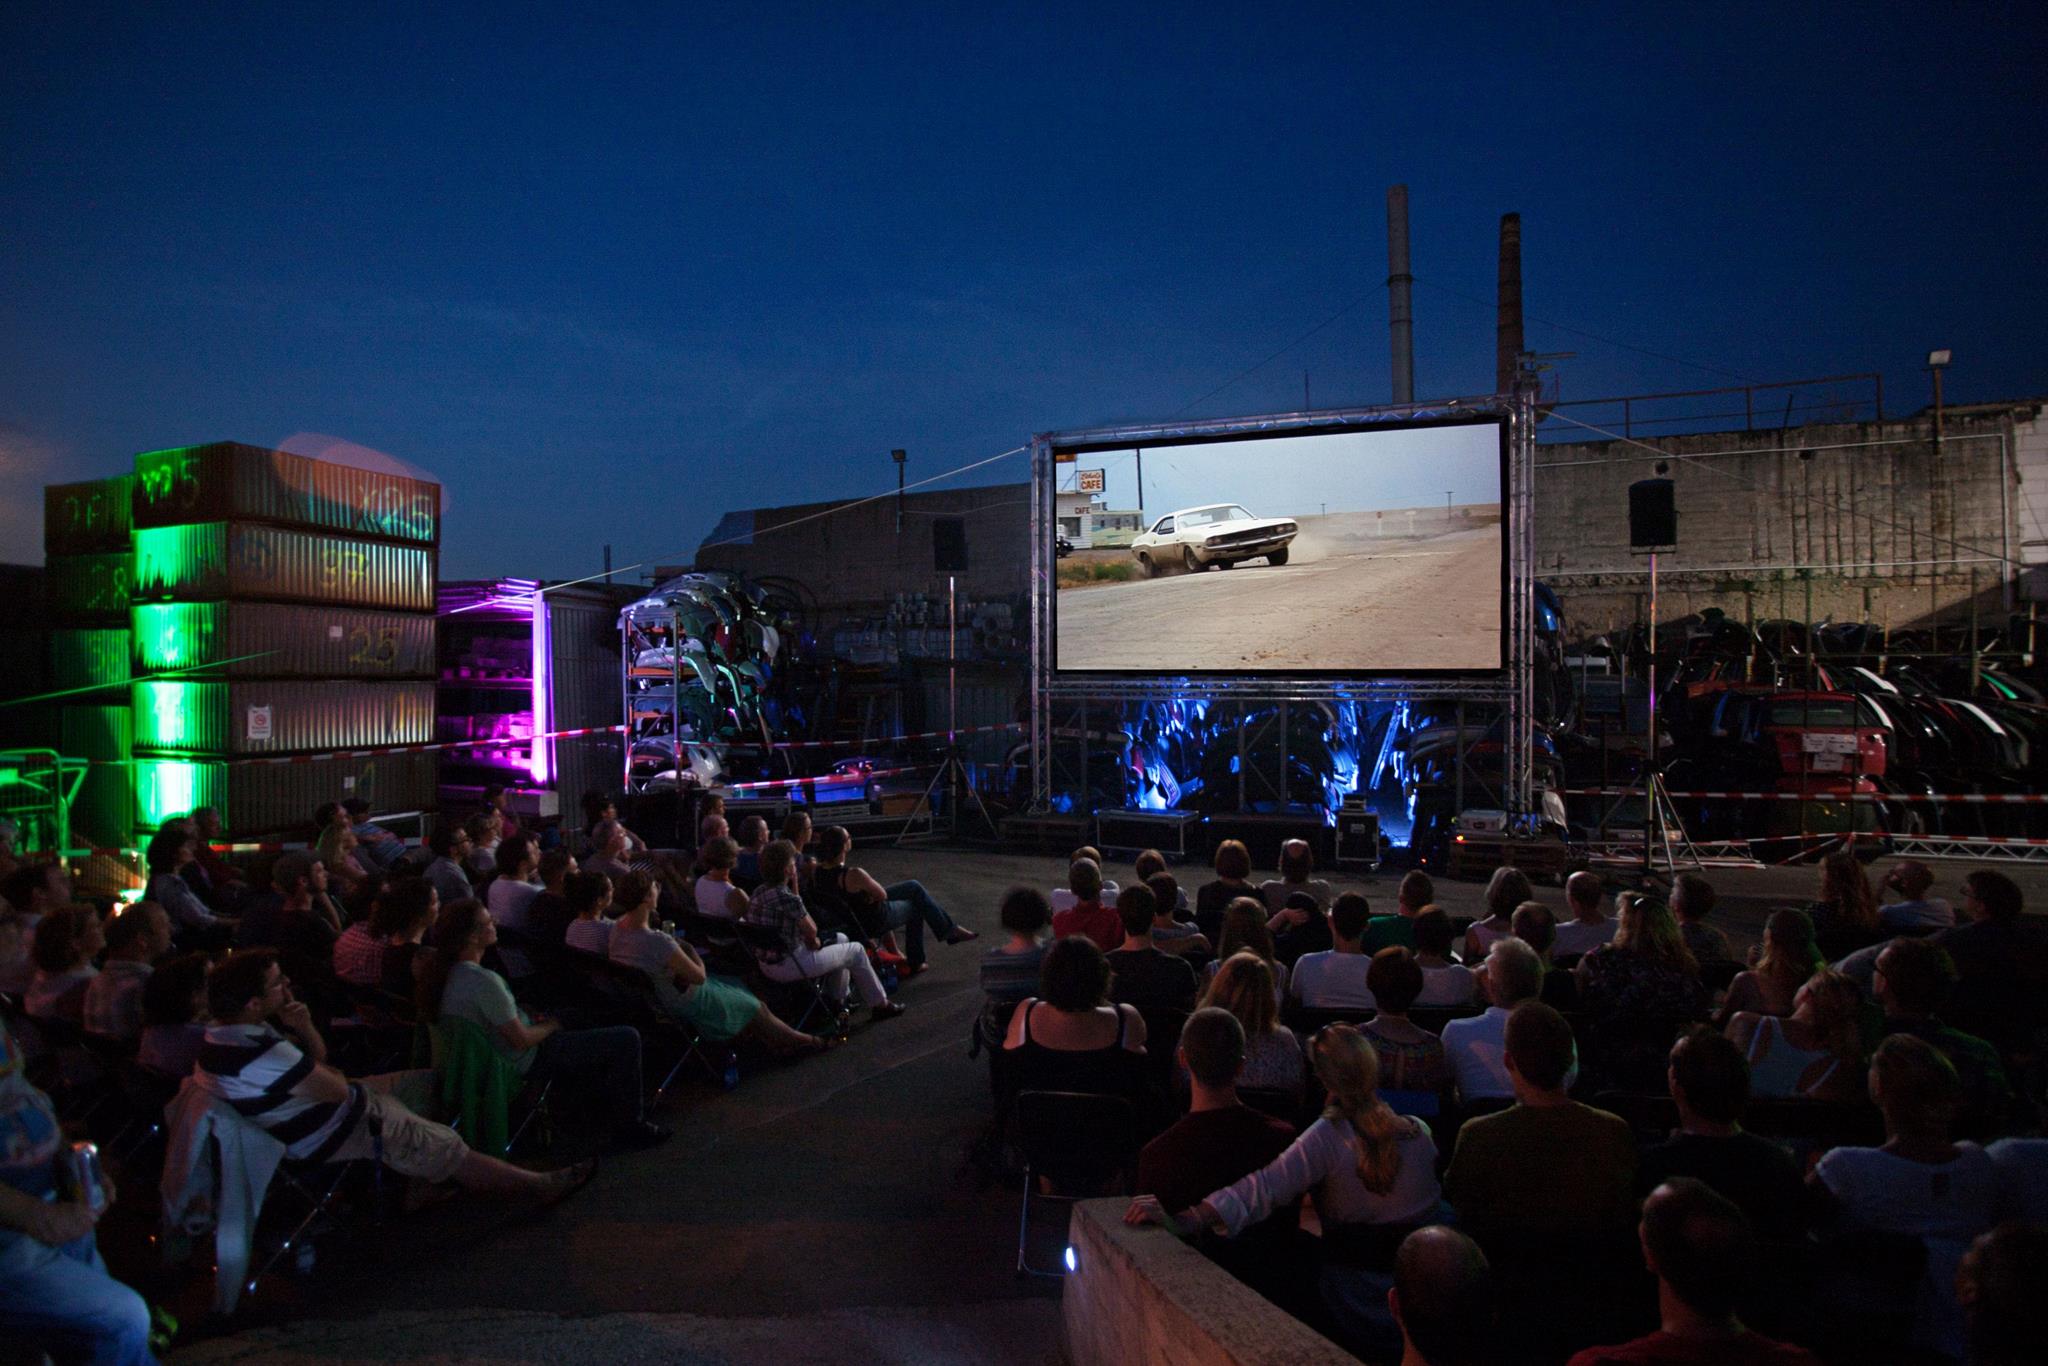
901, 458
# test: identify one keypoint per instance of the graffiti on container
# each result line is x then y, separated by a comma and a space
342, 568
395, 510
378, 648
169, 478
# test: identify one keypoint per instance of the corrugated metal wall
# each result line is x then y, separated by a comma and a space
270, 716
84, 658
88, 589
282, 640
228, 481
269, 797
87, 519
238, 560
584, 635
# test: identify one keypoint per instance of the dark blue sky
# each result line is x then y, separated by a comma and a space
611, 274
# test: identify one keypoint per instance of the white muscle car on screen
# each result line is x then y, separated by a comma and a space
1221, 534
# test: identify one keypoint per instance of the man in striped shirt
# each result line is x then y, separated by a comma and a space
265, 1058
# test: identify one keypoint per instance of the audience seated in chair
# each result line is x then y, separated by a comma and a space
548, 914
220, 884
1548, 1166
1700, 1248
1010, 970
2001, 959
802, 954
174, 1015
1170, 932
1999, 1288
1920, 1183
1638, 991
1335, 979
30, 892
1443, 1299
193, 923
1063, 897
1086, 914
1536, 926
517, 884
1220, 1140
752, 839
1445, 981
1412, 1060
1590, 927
1373, 1176
1782, 964
1297, 904
1244, 931
590, 897
1243, 985
486, 829
1692, 901
602, 1065
882, 911
1417, 891
1149, 864
449, 869
1845, 918
1815, 1052
56, 1296
135, 939
66, 942
1914, 980
1709, 1083
1505, 890
1477, 1048
716, 1009
1070, 1037
717, 894
1233, 866
264, 1056
1143, 976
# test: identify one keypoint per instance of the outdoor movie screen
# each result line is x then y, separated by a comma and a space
1361, 551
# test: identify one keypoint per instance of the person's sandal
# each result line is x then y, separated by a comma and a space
886, 1010
960, 934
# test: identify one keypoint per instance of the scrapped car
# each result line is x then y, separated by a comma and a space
1221, 534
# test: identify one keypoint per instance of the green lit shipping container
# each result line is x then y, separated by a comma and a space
282, 640
103, 810
226, 481
87, 519
85, 658
215, 560
264, 716
262, 799
88, 590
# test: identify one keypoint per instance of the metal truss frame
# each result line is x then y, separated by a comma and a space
1513, 689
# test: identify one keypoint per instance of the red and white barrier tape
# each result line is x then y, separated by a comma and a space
888, 739
811, 783
1963, 798
410, 842
503, 742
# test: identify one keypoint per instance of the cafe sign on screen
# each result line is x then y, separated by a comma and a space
1088, 481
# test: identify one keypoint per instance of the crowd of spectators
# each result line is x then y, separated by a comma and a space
284, 997
1598, 1135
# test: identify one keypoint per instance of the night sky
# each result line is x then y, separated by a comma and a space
609, 274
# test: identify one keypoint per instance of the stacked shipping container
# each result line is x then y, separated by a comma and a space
295, 600
86, 577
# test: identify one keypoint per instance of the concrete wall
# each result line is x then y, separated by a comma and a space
1876, 520
1140, 1295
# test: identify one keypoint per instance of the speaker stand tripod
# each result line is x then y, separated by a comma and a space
952, 768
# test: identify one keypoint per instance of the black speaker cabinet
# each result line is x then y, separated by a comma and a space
1652, 514
949, 545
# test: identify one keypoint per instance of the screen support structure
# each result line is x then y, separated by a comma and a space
1513, 690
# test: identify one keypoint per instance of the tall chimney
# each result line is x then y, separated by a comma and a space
1400, 317
1507, 343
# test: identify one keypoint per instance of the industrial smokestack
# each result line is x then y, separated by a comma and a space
1507, 343
1401, 318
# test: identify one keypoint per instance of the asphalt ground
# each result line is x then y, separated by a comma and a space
1345, 599
822, 1212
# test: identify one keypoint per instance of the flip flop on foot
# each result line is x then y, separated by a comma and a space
960, 934
886, 1010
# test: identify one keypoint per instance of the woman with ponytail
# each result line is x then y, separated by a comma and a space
1372, 1172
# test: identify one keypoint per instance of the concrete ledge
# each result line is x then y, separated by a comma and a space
1142, 1295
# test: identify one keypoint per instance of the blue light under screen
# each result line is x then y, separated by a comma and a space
1294, 476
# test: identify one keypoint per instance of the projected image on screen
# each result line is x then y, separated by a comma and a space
1367, 552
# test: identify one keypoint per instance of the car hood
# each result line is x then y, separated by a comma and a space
1238, 524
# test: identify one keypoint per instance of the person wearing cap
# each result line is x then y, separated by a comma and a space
1915, 912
